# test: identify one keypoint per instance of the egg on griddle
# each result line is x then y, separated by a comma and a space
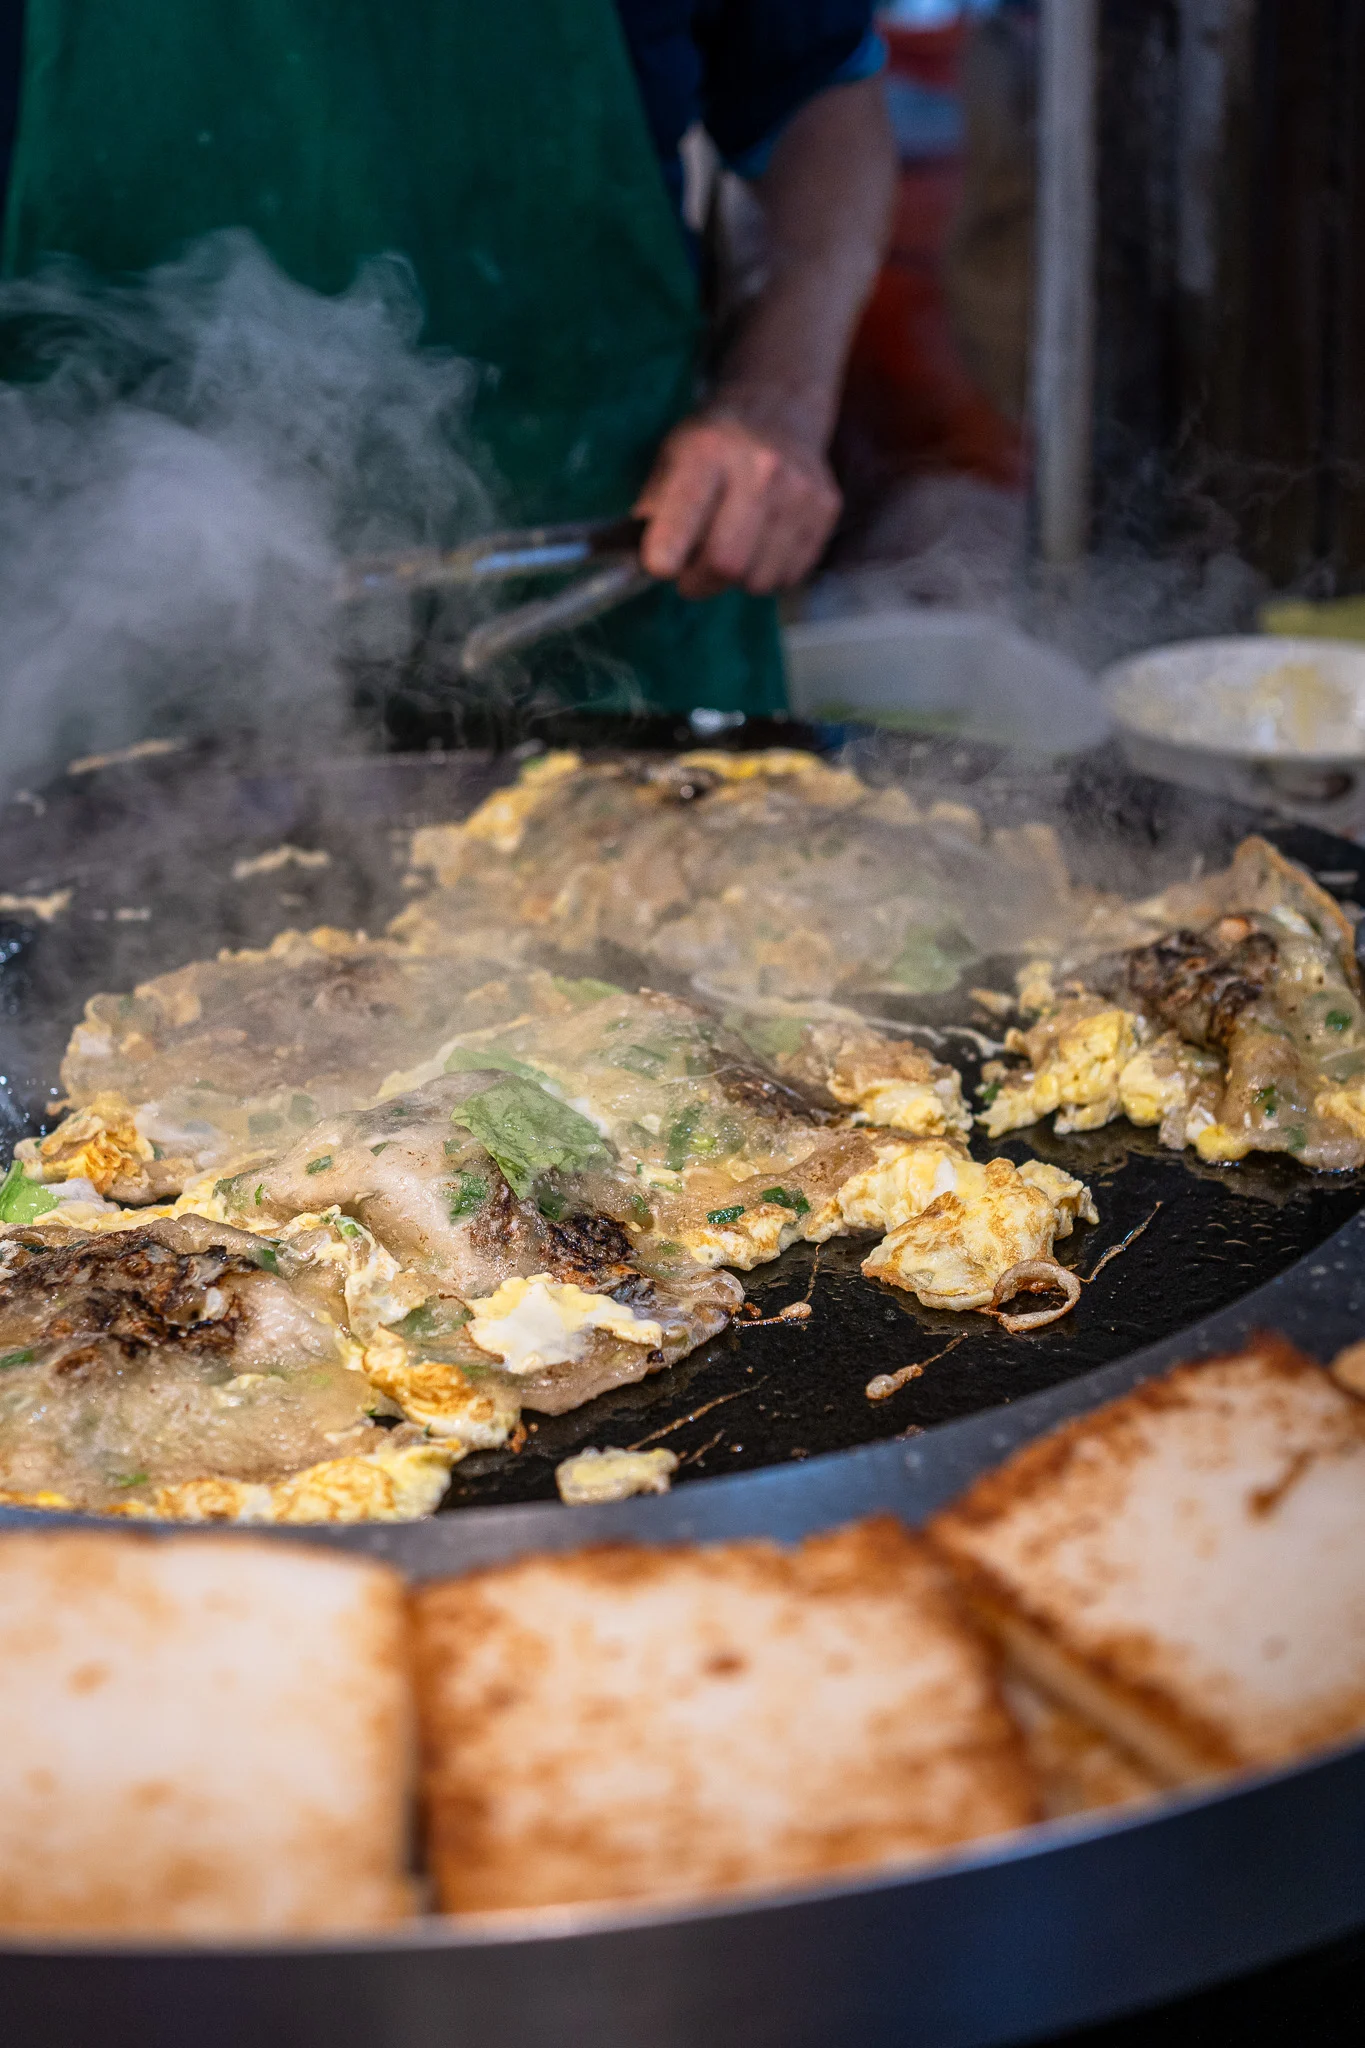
992, 1219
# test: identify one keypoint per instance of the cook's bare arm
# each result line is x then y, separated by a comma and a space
742, 492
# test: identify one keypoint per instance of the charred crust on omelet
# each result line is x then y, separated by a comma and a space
130, 1291
1202, 983
588, 1248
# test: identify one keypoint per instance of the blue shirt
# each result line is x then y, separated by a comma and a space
741, 67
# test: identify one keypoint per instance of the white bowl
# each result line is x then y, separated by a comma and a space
1255, 698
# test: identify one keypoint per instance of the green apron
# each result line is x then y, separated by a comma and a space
501, 148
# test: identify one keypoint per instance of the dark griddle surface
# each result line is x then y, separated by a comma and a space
162, 837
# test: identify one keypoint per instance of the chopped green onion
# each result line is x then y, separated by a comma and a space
585, 990
268, 1255
989, 1093
319, 1165
788, 1198
1268, 1098
725, 1215
468, 1193
377, 1149
682, 1135
1337, 1020
132, 1479
347, 1228
260, 1193
1296, 1137
16, 1358
551, 1204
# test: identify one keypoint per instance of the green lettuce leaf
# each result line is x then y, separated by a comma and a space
530, 1133
23, 1200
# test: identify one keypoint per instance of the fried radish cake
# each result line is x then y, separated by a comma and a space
1183, 1567
622, 1723
200, 1738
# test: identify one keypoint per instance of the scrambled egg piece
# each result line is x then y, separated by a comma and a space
101, 1144
905, 1180
1174, 1085
400, 1482
1346, 1104
591, 1477
907, 1175
1076, 1056
902, 1089
1091, 1061
499, 821
834, 787
749, 1238
536, 1322
436, 1393
955, 1251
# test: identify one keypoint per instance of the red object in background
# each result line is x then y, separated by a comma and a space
908, 396
929, 55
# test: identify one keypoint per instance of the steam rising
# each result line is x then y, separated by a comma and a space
183, 468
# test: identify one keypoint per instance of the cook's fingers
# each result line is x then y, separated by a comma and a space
679, 502
796, 533
754, 486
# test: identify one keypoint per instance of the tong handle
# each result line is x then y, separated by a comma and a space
499, 557
551, 550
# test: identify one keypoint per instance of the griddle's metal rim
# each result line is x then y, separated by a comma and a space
1036, 1934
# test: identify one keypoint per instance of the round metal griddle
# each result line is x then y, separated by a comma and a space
1062, 1926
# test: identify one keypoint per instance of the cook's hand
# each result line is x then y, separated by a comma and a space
728, 503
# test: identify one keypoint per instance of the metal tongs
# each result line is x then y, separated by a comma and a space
608, 547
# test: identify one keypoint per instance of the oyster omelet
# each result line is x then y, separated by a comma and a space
723, 1157
1245, 1034
765, 874
482, 1181
240, 1052
171, 1363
